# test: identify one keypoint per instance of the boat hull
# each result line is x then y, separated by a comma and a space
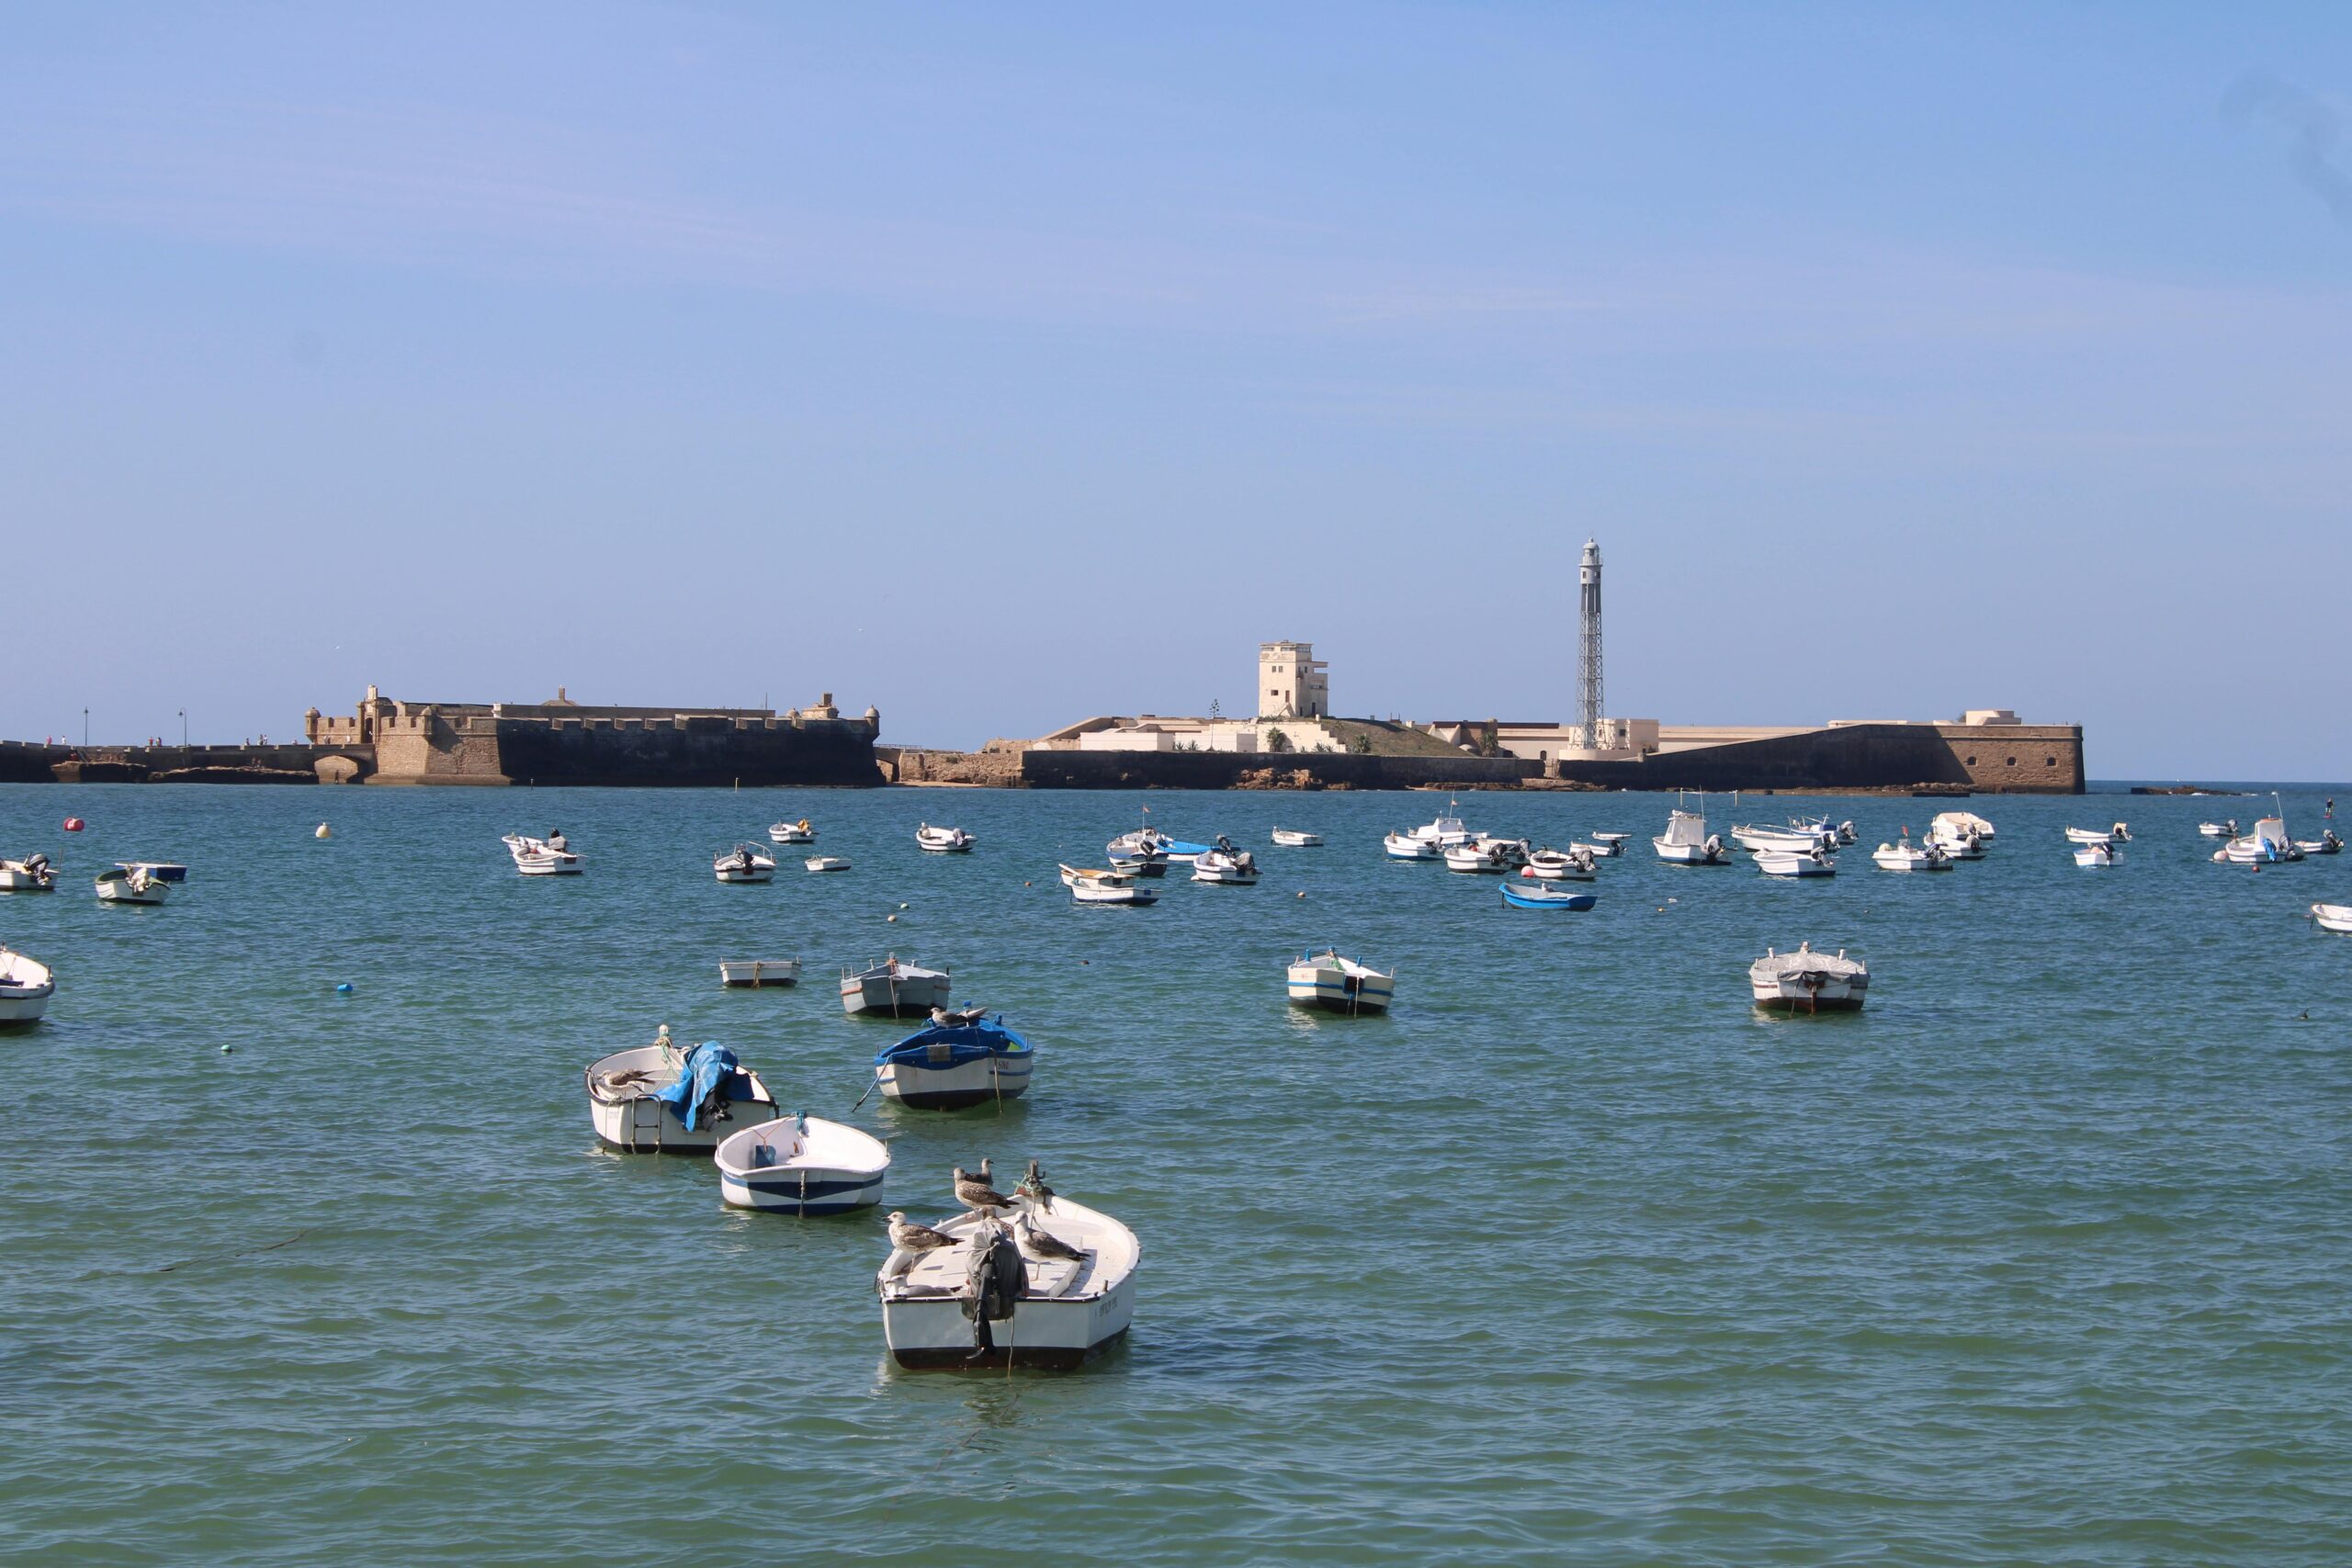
2333, 917
1327, 990
985, 1081
749, 974
907, 996
1775, 863
932, 1334
1835, 998
804, 1190
633, 1122
737, 877
1528, 899
25, 882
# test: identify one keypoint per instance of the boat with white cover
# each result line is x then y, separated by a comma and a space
1904, 856
1404, 846
792, 832
894, 988
659, 1099
26, 986
1096, 887
2332, 917
1444, 831
827, 862
746, 973
1610, 843
1960, 822
1578, 862
131, 884
943, 840
1296, 838
743, 864
2266, 845
1528, 891
1226, 866
801, 1165
1046, 1282
1814, 861
1686, 840
2099, 854
1807, 981
1475, 857
2119, 834
1335, 982
2228, 829
549, 856
958, 1061
1957, 843
32, 874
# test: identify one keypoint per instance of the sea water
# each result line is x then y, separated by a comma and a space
2045, 1257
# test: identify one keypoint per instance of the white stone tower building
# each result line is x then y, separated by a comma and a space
1292, 683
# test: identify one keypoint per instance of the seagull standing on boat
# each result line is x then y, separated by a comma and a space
1043, 1244
976, 1193
908, 1236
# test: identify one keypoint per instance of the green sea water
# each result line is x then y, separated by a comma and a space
2044, 1258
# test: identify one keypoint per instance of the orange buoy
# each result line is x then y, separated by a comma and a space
74, 824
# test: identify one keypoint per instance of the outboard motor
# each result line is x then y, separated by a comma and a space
995, 1279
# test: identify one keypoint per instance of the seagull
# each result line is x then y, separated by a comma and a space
908, 1236
974, 1192
1032, 1186
1044, 1243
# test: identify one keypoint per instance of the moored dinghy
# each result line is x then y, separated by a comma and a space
26, 986
1807, 981
32, 874
943, 840
792, 832
2119, 834
2096, 855
1095, 886
1473, 857
1574, 863
894, 988
1404, 846
1686, 840
1225, 865
1527, 891
1296, 838
1014, 1281
659, 1100
1904, 856
2332, 917
549, 856
2327, 843
1961, 825
1610, 843
742, 864
757, 972
131, 884
958, 1060
1335, 982
1814, 861
801, 1165
827, 862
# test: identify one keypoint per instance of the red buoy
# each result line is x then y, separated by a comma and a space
74, 824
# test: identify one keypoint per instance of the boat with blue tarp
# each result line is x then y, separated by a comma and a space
667, 1098
961, 1059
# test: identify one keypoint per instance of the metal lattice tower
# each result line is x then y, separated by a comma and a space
1588, 645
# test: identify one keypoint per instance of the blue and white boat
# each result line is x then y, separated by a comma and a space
1532, 893
661, 1098
801, 1165
1336, 983
964, 1060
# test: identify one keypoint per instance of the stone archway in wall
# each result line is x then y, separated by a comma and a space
337, 770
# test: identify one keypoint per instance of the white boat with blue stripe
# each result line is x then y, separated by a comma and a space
1526, 891
1336, 983
961, 1060
801, 1165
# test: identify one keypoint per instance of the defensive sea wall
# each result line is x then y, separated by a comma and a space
1264, 770
472, 749
2017, 758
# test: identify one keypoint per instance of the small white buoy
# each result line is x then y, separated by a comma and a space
226, 1049
903, 905
891, 918
324, 833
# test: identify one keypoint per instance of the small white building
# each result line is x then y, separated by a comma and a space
1292, 683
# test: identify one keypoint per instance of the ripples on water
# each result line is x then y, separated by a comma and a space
2042, 1257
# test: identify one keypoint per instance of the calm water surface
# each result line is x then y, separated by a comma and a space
2041, 1259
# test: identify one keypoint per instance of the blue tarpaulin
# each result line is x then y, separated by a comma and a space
708, 1069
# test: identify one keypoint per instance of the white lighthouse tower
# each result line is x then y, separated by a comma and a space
1589, 646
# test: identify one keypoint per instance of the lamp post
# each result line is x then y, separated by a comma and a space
182, 729
85, 726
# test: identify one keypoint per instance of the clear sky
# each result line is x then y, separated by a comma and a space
1000, 365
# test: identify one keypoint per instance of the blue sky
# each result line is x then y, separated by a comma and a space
1000, 365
